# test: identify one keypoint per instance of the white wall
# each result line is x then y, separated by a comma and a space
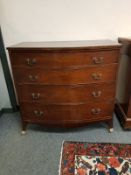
42, 20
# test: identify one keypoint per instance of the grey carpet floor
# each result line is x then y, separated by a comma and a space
38, 152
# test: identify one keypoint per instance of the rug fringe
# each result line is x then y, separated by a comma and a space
59, 171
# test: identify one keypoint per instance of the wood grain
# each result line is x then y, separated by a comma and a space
62, 60
66, 112
66, 94
66, 76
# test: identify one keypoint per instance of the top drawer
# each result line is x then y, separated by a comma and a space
54, 60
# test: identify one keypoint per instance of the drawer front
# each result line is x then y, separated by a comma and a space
57, 113
66, 76
64, 59
66, 94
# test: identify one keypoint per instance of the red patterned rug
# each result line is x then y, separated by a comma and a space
82, 158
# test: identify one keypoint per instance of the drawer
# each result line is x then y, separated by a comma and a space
66, 94
90, 74
58, 113
64, 59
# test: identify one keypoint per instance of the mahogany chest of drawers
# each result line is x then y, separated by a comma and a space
65, 83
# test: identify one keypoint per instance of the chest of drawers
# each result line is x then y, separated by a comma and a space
65, 83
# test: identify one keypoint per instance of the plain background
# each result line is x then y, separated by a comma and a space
53, 20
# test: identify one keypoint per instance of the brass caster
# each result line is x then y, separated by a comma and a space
23, 132
111, 130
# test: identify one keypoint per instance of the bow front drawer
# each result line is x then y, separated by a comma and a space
66, 76
66, 94
62, 59
58, 113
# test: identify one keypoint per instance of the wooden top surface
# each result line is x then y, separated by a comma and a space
124, 39
52, 45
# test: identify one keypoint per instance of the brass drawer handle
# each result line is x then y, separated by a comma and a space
97, 76
98, 60
35, 96
96, 111
38, 113
33, 78
31, 62
96, 94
